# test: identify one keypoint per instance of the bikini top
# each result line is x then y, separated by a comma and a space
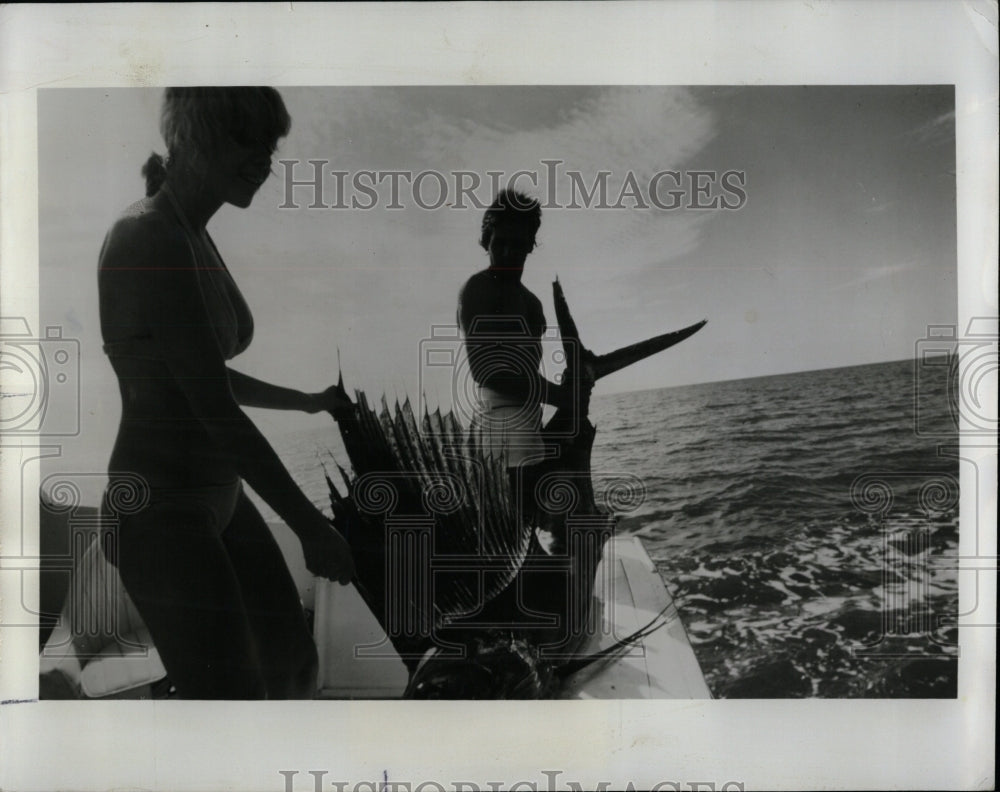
228, 311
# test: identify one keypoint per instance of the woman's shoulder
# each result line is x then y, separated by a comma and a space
145, 231
142, 216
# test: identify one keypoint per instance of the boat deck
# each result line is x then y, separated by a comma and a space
358, 662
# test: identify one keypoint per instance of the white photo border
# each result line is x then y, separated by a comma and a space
787, 744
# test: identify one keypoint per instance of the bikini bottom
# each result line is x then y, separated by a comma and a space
209, 508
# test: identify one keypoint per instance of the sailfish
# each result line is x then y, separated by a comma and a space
447, 545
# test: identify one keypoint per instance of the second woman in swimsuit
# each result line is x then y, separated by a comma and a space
198, 560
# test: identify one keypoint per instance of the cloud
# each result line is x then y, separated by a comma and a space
621, 131
876, 274
373, 282
939, 130
876, 206
411, 262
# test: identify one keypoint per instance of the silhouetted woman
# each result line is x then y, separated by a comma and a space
198, 560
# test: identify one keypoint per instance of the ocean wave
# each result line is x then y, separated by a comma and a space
787, 586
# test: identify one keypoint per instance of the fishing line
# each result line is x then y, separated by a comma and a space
618, 646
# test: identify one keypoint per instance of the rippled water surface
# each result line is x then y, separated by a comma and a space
806, 529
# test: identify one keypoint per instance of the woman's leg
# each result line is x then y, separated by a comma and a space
285, 646
180, 577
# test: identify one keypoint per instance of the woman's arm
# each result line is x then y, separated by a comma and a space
251, 392
157, 271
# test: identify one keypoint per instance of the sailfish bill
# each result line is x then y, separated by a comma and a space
626, 356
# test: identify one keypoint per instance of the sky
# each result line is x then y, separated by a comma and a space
842, 253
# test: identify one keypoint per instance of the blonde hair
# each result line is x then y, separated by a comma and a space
202, 119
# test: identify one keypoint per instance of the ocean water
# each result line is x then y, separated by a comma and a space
806, 524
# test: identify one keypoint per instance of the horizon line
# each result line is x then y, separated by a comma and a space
761, 376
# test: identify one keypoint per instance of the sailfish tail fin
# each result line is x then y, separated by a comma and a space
603, 365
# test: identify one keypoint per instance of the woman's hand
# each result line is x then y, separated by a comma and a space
333, 401
326, 551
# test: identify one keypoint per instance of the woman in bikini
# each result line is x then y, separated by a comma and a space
198, 560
